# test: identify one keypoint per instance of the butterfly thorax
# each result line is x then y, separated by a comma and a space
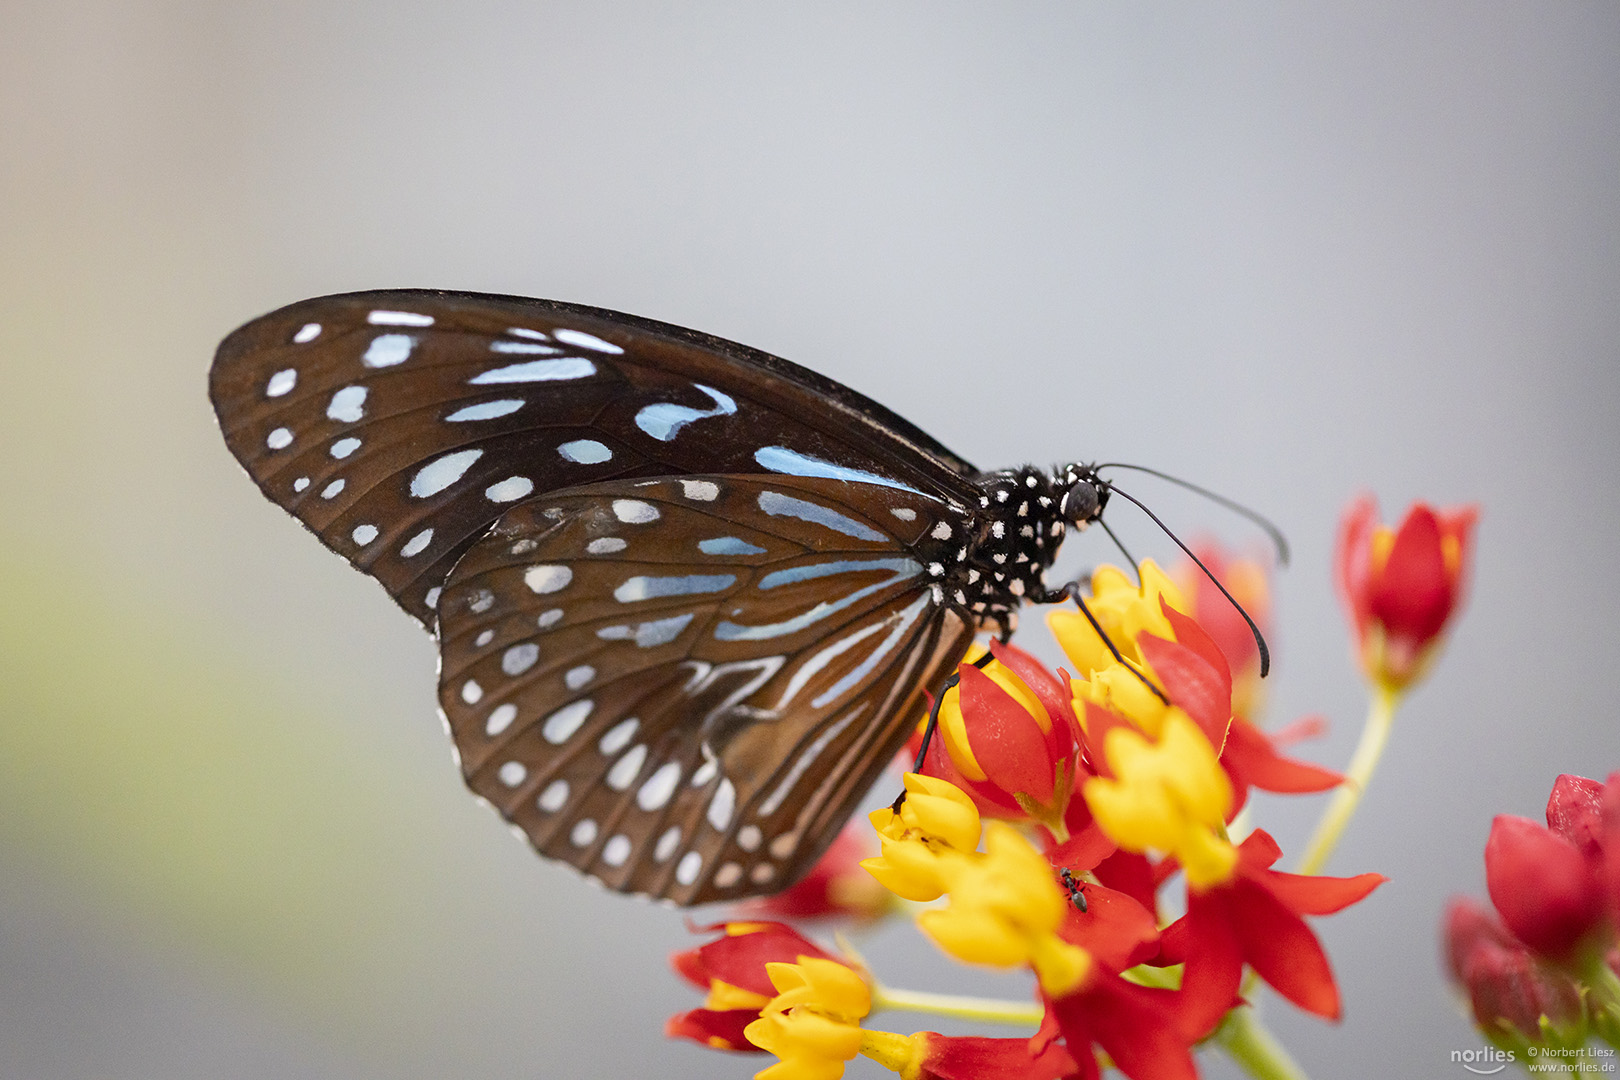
1020, 532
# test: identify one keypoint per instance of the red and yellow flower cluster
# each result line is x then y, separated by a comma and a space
1049, 822
1542, 969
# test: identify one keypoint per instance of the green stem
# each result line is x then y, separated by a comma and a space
1255, 1049
1374, 737
993, 1010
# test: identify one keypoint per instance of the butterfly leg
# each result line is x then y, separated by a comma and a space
933, 722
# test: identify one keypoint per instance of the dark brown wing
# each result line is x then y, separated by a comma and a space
399, 425
683, 686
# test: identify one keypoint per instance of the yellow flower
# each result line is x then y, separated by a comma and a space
1170, 796
814, 1023
1123, 609
1005, 910
936, 823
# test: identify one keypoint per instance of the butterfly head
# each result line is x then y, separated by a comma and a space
1084, 497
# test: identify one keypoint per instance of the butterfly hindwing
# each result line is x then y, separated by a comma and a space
399, 425
682, 686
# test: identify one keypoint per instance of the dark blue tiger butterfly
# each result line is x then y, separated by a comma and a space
688, 595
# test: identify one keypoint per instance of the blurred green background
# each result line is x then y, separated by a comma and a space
1286, 251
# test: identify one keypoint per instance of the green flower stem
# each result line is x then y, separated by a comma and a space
1374, 737
992, 1010
1255, 1049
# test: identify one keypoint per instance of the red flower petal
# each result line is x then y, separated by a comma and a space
740, 959
717, 1029
1052, 693
1283, 951
1193, 636
1117, 931
1352, 555
1206, 938
1312, 895
1131, 874
976, 1058
1545, 891
1413, 594
1252, 759
1575, 812
1191, 682
1007, 742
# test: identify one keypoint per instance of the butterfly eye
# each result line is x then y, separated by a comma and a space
1082, 503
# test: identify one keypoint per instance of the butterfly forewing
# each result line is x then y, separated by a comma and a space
400, 425
682, 686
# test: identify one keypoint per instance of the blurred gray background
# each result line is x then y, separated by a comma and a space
1289, 251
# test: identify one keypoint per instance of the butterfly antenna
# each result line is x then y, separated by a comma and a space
1071, 591
1128, 557
1259, 638
1271, 530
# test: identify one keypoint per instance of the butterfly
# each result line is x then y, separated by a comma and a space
688, 596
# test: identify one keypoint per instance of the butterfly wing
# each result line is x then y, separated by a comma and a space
399, 425
683, 686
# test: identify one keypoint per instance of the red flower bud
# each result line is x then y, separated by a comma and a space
1402, 588
1545, 891
1504, 982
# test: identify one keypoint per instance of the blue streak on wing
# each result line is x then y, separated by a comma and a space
778, 505
781, 459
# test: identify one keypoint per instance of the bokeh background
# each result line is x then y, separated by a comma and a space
1291, 251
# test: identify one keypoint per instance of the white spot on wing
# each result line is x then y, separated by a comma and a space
721, 806
634, 511
523, 348
700, 490
512, 773
686, 871
617, 850
728, 875
667, 843
364, 534
500, 718
565, 367
583, 833
281, 382
441, 472
347, 405
523, 331
471, 692
307, 333
417, 544
386, 350
485, 410
748, 837
279, 439
904, 513
579, 676
554, 798
580, 339
605, 545
398, 318
301, 483
585, 452
547, 578
520, 658
344, 447
334, 489
618, 736
513, 487
561, 725
548, 619
432, 597
659, 786
627, 768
